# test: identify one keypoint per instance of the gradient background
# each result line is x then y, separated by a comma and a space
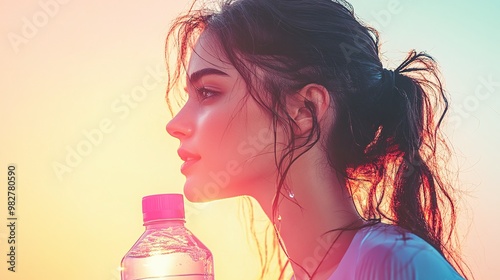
81, 60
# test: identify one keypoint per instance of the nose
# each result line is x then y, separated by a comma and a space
178, 127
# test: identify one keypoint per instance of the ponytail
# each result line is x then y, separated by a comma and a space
418, 188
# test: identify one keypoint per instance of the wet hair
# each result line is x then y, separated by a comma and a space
385, 140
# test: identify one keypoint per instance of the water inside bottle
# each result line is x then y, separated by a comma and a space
168, 253
177, 266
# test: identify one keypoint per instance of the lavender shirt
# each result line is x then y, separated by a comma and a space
387, 252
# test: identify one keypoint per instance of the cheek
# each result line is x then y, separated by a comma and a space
236, 151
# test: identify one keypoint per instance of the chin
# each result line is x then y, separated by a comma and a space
206, 192
198, 193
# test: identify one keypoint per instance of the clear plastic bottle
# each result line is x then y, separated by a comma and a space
167, 250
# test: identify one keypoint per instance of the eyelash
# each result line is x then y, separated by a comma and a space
202, 92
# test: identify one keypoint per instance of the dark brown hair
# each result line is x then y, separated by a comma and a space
385, 140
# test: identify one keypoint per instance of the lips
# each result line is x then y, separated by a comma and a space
189, 159
186, 155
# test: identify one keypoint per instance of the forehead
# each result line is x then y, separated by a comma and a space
207, 53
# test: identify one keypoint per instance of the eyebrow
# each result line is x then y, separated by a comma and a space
196, 76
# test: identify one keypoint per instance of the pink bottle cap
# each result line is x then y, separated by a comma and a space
162, 206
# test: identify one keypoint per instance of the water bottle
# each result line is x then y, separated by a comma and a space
166, 250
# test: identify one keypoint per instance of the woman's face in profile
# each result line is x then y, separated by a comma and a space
226, 138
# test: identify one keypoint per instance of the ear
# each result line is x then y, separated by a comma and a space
296, 104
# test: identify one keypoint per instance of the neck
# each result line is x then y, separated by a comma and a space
309, 230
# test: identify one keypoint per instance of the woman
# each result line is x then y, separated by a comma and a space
289, 103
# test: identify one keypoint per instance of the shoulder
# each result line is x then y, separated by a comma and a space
389, 252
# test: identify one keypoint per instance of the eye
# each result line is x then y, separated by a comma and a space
205, 93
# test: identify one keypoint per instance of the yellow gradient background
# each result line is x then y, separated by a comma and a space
82, 86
